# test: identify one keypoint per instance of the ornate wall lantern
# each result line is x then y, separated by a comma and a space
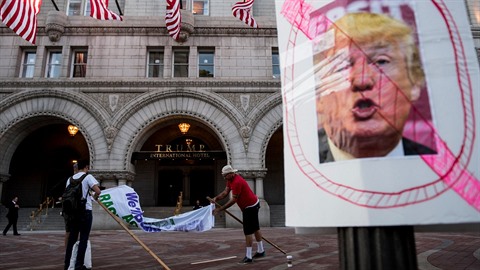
72, 130
184, 127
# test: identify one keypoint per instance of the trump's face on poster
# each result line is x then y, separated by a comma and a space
366, 83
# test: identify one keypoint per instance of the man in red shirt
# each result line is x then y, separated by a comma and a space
248, 202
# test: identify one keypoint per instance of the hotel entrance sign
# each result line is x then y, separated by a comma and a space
172, 155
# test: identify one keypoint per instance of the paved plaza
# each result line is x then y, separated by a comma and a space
117, 249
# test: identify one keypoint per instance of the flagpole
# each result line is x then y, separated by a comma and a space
118, 6
237, 219
55, 5
119, 221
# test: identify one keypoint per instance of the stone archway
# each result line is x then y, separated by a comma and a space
169, 162
25, 112
42, 161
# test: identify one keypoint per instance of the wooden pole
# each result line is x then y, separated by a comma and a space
119, 221
237, 219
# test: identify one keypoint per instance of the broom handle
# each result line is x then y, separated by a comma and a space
237, 219
119, 221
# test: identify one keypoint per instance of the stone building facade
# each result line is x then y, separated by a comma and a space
127, 85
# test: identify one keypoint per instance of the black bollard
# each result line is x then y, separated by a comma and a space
377, 248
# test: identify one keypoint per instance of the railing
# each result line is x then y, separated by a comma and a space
36, 216
179, 204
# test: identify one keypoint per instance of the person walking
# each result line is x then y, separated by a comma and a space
12, 216
249, 203
82, 224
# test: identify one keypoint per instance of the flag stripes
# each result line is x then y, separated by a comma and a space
173, 18
100, 11
21, 17
241, 10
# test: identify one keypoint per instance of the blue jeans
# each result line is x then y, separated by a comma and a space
82, 226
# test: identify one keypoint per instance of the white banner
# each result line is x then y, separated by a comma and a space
197, 220
124, 202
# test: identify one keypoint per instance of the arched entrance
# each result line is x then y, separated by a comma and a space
171, 161
275, 178
43, 161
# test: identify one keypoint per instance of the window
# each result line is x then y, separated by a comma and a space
275, 63
155, 63
79, 63
206, 62
200, 7
75, 7
28, 64
180, 62
54, 64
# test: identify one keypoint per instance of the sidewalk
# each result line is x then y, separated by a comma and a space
178, 250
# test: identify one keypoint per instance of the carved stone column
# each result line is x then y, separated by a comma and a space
186, 185
255, 179
3, 178
257, 176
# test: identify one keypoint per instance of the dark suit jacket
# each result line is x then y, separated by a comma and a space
410, 148
12, 210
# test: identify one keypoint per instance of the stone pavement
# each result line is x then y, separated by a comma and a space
116, 249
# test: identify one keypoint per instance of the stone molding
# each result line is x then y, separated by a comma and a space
113, 175
253, 174
4, 178
111, 84
162, 31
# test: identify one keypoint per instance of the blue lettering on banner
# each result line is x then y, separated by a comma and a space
137, 213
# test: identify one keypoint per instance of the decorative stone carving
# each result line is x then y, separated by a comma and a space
113, 101
4, 177
55, 25
245, 101
253, 174
187, 27
245, 132
110, 134
113, 175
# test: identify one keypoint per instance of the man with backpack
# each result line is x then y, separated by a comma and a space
77, 211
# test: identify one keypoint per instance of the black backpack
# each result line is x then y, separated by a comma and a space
73, 203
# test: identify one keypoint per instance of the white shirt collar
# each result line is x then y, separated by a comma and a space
339, 154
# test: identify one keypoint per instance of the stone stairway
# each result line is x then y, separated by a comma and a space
277, 215
50, 221
54, 221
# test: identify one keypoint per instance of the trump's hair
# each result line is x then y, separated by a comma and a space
368, 28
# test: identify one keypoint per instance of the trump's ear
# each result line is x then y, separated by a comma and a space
415, 94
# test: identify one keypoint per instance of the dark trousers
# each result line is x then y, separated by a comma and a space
81, 226
12, 221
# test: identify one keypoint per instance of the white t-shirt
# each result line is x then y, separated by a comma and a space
87, 183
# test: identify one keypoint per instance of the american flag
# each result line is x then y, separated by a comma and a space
99, 10
241, 10
173, 18
21, 17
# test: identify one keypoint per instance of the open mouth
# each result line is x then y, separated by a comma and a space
364, 109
